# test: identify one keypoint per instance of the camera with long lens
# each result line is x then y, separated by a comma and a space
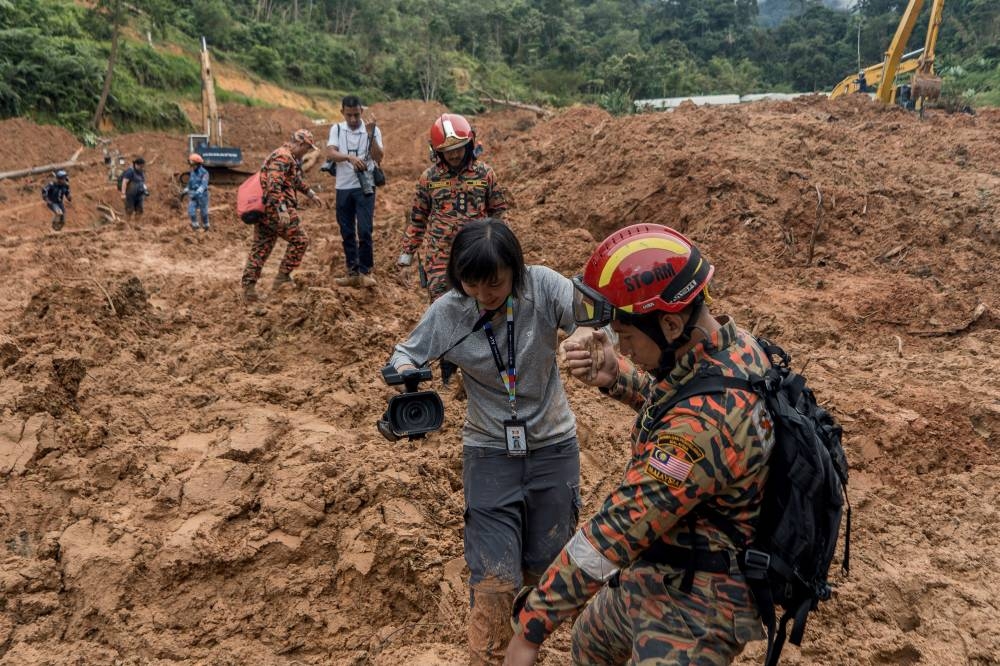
411, 414
367, 184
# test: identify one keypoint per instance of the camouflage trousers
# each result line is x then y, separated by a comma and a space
437, 280
265, 235
644, 619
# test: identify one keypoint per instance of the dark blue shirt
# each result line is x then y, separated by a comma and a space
55, 192
131, 175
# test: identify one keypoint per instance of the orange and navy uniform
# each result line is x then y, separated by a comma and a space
281, 180
444, 202
707, 451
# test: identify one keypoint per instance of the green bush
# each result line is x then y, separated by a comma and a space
132, 107
265, 61
152, 69
54, 75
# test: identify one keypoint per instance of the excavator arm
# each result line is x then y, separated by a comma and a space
209, 107
882, 76
926, 85
873, 75
222, 161
890, 64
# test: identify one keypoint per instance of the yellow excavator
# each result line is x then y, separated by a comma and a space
881, 78
221, 161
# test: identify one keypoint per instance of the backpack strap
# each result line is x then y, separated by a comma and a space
753, 564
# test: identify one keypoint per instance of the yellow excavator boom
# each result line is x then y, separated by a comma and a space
926, 85
882, 76
209, 106
890, 64
873, 75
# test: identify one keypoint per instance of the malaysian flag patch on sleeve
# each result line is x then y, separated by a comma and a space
672, 460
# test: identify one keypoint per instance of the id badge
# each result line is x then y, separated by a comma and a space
516, 432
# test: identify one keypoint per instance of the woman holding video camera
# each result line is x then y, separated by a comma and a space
521, 462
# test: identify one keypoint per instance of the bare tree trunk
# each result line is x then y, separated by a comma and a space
109, 75
344, 19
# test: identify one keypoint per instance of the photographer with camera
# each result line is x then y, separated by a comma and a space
521, 462
355, 148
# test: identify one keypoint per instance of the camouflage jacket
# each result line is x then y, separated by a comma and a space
704, 451
281, 178
445, 201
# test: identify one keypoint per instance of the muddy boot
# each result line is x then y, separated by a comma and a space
250, 293
489, 622
366, 281
280, 280
57, 222
349, 281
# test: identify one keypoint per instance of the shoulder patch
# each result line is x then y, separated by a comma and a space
672, 459
763, 425
674, 443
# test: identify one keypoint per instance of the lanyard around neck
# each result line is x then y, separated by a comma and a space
508, 375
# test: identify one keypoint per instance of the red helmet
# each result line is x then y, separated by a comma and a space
640, 269
196, 158
451, 131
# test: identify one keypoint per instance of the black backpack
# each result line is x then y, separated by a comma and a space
788, 560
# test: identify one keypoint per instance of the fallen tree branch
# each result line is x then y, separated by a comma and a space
100, 286
976, 314
537, 110
42, 169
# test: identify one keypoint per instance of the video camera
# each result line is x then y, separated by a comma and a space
366, 182
329, 167
411, 414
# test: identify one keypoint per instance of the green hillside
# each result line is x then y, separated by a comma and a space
54, 53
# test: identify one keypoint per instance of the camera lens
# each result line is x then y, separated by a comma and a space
414, 414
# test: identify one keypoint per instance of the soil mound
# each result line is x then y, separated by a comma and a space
25, 144
188, 478
258, 130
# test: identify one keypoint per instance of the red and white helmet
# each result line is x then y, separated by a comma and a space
637, 270
451, 131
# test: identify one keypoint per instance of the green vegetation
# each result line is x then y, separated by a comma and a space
54, 53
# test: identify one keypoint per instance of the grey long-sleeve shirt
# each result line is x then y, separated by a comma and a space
543, 306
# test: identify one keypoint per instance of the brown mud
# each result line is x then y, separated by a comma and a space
186, 479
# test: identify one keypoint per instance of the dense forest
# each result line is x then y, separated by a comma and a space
54, 53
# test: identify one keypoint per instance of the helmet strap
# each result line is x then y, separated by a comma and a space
650, 326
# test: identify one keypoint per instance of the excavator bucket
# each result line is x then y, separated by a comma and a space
927, 86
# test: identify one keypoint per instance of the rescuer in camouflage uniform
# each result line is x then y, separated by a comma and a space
693, 467
281, 180
456, 189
